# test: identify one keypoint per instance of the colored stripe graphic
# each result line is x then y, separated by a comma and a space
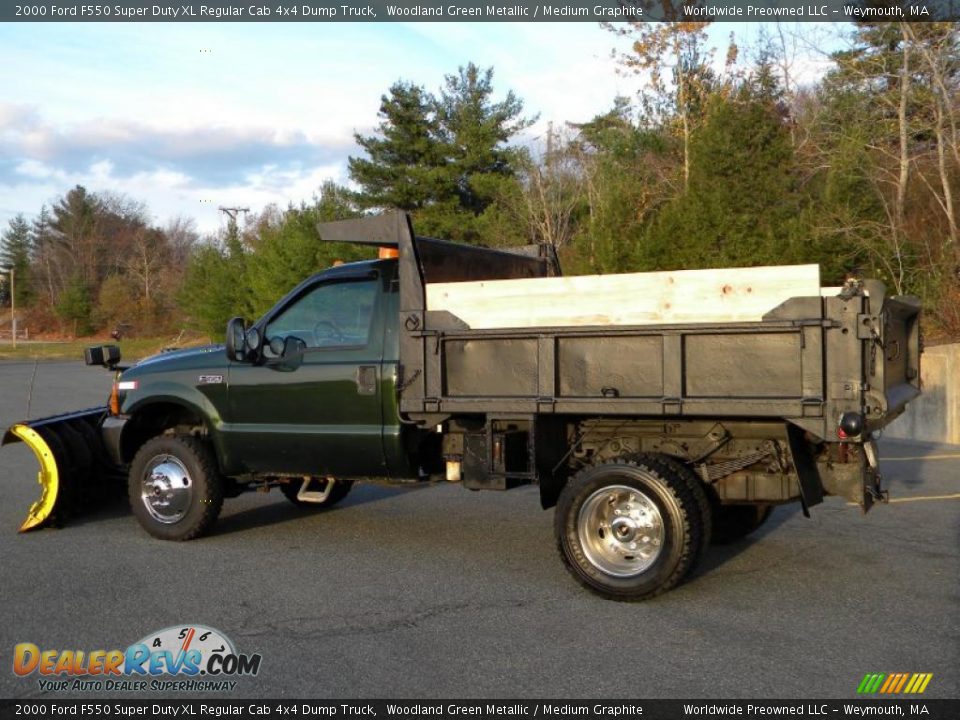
894, 683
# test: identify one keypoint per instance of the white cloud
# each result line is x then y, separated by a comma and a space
267, 111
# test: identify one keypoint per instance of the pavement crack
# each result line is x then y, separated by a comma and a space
369, 623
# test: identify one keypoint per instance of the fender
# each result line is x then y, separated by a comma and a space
124, 441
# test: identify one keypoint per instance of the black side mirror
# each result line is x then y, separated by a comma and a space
254, 343
106, 355
292, 356
236, 341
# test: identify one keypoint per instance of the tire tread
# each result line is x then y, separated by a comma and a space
212, 482
692, 513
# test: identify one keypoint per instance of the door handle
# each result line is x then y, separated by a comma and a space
367, 380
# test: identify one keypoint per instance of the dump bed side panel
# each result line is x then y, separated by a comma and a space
771, 369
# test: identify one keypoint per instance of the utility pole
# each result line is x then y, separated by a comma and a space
232, 212
233, 234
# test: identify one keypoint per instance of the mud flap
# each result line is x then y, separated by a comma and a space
74, 466
808, 477
872, 480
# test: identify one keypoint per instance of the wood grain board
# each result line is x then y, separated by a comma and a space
681, 296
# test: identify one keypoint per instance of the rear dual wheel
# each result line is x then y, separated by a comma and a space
735, 522
632, 528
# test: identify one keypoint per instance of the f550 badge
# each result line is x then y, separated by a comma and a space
183, 650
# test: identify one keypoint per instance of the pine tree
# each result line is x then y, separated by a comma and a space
15, 255
743, 202
475, 133
404, 157
444, 158
75, 306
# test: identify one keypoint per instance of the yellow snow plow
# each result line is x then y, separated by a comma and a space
74, 466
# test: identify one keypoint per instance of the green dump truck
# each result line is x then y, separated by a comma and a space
650, 439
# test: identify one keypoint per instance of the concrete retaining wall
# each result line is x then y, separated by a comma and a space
935, 415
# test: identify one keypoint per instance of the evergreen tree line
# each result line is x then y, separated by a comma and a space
94, 261
704, 168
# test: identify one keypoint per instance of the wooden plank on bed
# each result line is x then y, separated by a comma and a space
682, 296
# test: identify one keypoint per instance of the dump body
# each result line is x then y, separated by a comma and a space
809, 362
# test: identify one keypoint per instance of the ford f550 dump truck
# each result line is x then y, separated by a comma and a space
650, 434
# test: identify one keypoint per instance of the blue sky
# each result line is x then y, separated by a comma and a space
186, 117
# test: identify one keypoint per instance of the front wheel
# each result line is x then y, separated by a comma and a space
175, 487
629, 529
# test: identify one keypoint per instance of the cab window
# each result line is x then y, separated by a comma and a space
333, 314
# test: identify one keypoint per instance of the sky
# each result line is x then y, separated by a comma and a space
190, 117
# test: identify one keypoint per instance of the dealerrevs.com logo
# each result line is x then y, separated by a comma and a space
179, 658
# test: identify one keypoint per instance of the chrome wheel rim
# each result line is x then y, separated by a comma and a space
620, 530
166, 489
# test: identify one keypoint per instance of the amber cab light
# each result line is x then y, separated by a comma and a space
114, 400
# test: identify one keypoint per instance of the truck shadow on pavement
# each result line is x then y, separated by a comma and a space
104, 504
264, 515
114, 505
717, 555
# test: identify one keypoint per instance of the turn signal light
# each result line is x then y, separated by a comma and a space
118, 387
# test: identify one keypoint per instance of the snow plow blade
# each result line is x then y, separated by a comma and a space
74, 465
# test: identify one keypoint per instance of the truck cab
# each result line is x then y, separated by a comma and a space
327, 406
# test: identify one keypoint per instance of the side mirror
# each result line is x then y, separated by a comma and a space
236, 341
292, 356
106, 355
253, 341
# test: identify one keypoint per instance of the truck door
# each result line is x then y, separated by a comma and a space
324, 416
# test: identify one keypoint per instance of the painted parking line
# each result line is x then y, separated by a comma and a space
918, 498
953, 456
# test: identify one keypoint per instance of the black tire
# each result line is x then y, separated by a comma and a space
735, 522
699, 492
340, 489
673, 534
188, 489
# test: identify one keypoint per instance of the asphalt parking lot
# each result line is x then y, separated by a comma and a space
438, 592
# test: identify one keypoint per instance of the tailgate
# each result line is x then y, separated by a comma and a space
892, 359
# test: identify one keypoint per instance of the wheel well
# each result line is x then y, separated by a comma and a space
155, 419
